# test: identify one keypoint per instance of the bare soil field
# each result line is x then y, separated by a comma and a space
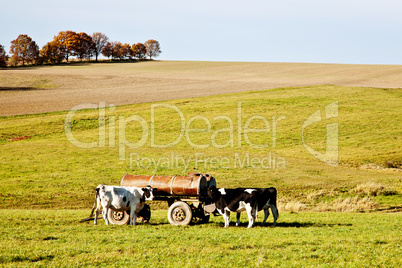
56, 88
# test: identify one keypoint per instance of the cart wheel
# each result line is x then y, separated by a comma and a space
118, 217
180, 213
123, 217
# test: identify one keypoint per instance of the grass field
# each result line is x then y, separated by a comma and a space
55, 238
247, 139
48, 170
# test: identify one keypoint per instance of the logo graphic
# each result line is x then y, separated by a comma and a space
331, 155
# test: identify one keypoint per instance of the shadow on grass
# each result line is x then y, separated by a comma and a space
310, 224
294, 224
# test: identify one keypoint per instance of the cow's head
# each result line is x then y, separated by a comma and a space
213, 193
148, 192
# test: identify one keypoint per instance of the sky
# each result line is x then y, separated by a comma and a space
316, 31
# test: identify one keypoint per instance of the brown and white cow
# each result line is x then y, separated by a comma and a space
120, 198
234, 200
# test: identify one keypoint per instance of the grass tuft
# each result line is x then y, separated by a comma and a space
292, 206
349, 204
373, 189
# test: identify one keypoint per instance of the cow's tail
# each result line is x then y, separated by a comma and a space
97, 203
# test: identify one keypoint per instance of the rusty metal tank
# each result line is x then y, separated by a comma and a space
193, 184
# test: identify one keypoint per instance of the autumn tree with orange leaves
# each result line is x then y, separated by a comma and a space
139, 51
153, 48
117, 50
65, 41
24, 49
51, 52
107, 50
71, 43
126, 51
80, 45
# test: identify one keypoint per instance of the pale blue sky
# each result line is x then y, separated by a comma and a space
322, 31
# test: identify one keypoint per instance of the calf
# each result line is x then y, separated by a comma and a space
234, 200
119, 198
266, 198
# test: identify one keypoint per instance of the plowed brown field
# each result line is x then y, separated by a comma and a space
56, 88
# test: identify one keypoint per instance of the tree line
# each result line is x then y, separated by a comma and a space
69, 44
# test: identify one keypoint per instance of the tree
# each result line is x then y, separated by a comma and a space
107, 50
65, 42
139, 50
24, 49
117, 50
126, 51
153, 48
3, 57
51, 52
82, 46
33, 52
100, 40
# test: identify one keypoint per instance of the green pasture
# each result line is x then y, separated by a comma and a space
55, 238
251, 139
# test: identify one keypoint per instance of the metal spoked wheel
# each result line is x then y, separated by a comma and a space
180, 213
123, 217
118, 217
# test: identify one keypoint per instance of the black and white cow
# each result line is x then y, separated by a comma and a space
266, 198
120, 198
234, 200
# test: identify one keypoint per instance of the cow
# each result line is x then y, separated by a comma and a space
120, 198
234, 200
266, 198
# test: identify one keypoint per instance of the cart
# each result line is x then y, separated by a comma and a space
186, 196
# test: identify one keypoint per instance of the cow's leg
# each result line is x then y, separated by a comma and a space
238, 219
133, 216
133, 209
226, 216
266, 214
251, 214
274, 213
256, 212
104, 214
